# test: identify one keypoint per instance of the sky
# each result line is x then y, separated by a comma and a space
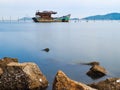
77, 8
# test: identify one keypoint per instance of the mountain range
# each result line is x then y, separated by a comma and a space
109, 16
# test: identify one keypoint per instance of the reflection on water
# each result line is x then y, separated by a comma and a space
69, 43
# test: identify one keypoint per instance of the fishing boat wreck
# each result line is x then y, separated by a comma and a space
46, 16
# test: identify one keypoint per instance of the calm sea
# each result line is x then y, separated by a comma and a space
70, 44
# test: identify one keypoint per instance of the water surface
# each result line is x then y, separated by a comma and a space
70, 43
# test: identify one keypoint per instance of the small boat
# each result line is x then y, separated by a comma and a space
46, 16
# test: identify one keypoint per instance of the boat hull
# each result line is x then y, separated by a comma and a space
57, 19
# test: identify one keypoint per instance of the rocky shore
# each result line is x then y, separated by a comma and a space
28, 76
20, 76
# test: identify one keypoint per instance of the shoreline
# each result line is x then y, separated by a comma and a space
26, 70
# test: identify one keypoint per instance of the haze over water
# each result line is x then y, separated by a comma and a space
70, 43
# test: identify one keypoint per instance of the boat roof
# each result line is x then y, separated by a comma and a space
46, 12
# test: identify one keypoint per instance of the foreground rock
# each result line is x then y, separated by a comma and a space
108, 84
62, 82
20, 76
96, 72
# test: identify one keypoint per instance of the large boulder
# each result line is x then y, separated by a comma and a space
96, 71
108, 84
62, 82
20, 76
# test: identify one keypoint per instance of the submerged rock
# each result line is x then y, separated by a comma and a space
108, 84
62, 82
46, 50
20, 76
96, 72
92, 63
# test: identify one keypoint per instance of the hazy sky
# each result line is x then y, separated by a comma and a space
77, 8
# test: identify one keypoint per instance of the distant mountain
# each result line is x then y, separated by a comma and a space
25, 18
110, 16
